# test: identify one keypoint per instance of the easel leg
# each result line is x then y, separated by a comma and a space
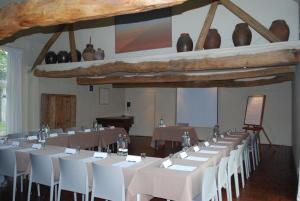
266, 136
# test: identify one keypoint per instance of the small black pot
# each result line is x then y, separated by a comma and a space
51, 58
78, 53
63, 57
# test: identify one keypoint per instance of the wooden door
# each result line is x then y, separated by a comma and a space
58, 110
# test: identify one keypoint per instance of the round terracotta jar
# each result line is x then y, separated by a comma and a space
88, 53
280, 29
213, 39
184, 43
241, 35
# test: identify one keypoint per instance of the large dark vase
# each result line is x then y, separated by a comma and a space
184, 43
63, 57
50, 58
78, 54
280, 29
213, 39
241, 35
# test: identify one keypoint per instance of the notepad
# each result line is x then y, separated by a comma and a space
36, 146
218, 146
33, 137
183, 155
131, 158
100, 155
196, 158
71, 132
53, 135
196, 148
15, 143
225, 142
167, 163
182, 168
208, 152
87, 130
206, 143
70, 151
214, 140
123, 164
101, 129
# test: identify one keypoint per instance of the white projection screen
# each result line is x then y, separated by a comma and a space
197, 106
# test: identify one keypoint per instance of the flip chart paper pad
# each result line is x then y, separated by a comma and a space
254, 111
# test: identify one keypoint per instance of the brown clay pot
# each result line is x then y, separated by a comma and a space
213, 39
280, 29
184, 43
241, 35
88, 53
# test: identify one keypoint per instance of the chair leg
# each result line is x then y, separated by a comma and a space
220, 193
236, 181
38, 190
55, 192
29, 189
253, 158
51, 192
87, 196
92, 196
227, 192
59, 192
138, 197
229, 188
21, 178
14, 187
75, 197
82, 197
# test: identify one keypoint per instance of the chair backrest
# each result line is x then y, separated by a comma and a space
41, 169
8, 166
56, 130
222, 171
239, 156
209, 187
108, 182
231, 162
73, 175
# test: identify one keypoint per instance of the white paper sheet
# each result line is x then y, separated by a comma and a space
225, 142
123, 164
90, 159
26, 150
59, 155
196, 158
208, 152
182, 168
218, 146
53, 135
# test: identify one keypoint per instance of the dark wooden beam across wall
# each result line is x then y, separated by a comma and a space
255, 60
213, 83
186, 78
27, 14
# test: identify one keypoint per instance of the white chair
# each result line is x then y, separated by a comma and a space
246, 157
8, 167
239, 162
232, 170
42, 173
73, 177
209, 186
254, 150
222, 178
108, 183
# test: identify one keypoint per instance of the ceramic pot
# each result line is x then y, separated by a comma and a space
99, 54
280, 29
241, 35
50, 58
78, 54
184, 43
63, 57
88, 52
213, 39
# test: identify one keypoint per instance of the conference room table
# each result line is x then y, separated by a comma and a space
182, 184
87, 140
172, 133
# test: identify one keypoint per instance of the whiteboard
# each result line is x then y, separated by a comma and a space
197, 106
254, 110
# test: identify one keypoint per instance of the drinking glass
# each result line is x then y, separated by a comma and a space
143, 156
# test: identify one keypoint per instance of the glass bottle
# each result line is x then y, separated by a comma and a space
125, 146
119, 144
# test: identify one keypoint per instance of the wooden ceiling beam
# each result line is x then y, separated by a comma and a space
207, 24
207, 84
186, 78
261, 29
72, 43
265, 59
19, 16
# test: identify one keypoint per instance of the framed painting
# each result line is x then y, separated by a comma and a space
143, 31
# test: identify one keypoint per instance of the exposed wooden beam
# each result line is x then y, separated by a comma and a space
31, 13
265, 59
72, 43
186, 78
207, 84
46, 47
206, 26
266, 33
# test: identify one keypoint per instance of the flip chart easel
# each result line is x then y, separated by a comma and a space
254, 115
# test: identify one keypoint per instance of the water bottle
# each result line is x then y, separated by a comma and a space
216, 131
186, 141
161, 122
119, 144
125, 146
